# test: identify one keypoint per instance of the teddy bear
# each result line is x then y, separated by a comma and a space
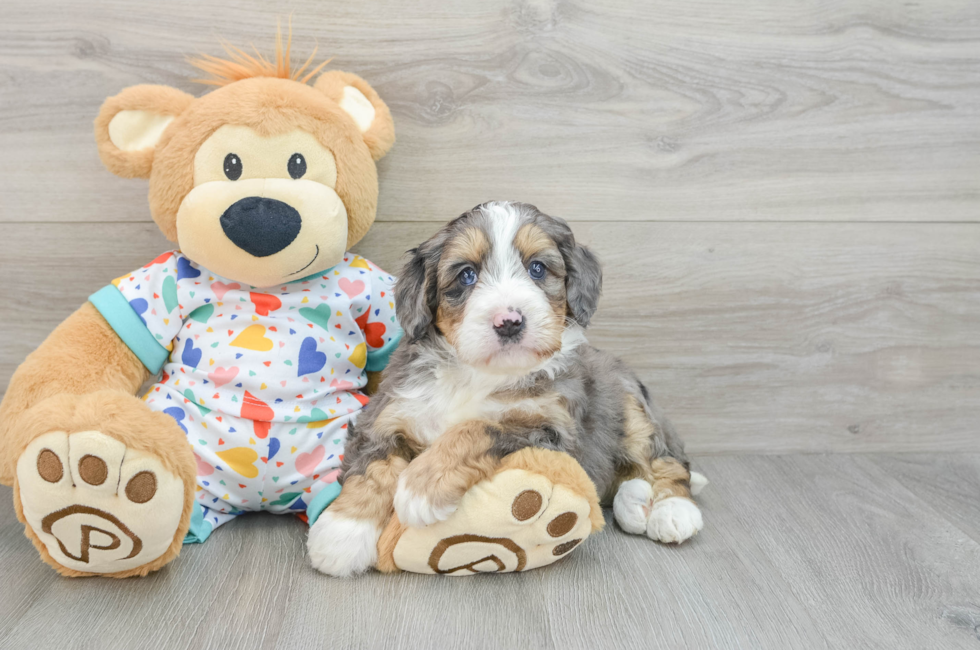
262, 335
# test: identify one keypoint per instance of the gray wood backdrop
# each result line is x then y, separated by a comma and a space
785, 195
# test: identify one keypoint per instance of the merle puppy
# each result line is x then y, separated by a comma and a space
495, 359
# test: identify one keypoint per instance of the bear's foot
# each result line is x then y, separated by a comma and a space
94, 506
539, 506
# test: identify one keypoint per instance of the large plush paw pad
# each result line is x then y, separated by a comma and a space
674, 520
341, 546
517, 520
98, 506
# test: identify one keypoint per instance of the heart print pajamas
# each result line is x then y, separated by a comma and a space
263, 381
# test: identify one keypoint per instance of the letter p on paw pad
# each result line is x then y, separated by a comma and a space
97, 506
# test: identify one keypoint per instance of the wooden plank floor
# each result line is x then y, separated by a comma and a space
801, 551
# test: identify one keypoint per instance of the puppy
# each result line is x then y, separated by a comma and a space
495, 360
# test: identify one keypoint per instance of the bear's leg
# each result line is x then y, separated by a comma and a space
533, 510
104, 486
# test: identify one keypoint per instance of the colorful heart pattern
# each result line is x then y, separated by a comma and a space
221, 376
241, 460
264, 382
253, 338
320, 315
310, 360
308, 463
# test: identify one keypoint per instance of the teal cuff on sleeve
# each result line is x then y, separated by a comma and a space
378, 359
320, 502
200, 529
129, 326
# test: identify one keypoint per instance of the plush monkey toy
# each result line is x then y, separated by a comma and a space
261, 329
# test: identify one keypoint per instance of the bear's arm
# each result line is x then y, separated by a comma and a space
81, 355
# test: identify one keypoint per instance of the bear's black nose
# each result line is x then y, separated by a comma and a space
261, 226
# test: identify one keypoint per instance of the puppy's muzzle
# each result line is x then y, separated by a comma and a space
508, 325
261, 226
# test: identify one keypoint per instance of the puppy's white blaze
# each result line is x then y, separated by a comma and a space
632, 505
416, 511
674, 520
504, 284
342, 547
505, 222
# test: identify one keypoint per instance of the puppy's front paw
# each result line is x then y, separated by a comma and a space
674, 520
341, 547
421, 507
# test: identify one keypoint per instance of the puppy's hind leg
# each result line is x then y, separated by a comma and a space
659, 504
654, 496
674, 516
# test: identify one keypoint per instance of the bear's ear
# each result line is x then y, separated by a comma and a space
359, 100
130, 125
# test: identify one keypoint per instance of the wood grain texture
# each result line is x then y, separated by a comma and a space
754, 337
674, 110
951, 485
798, 552
728, 162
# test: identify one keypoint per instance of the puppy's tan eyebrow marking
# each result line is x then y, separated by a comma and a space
471, 245
534, 243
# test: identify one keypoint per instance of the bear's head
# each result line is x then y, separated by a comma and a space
265, 180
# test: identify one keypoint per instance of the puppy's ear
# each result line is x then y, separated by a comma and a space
358, 99
583, 284
415, 292
583, 275
130, 125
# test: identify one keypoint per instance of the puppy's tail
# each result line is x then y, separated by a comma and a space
698, 481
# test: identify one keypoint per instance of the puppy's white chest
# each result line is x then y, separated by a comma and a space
453, 399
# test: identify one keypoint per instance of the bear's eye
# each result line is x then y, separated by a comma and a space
233, 167
297, 165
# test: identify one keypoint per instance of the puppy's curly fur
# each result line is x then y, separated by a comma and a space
494, 307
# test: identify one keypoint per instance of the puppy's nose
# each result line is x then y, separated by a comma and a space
261, 226
508, 324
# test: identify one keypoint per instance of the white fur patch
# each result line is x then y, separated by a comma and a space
359, 107
459, 392
698, 482
632, 505
416, 511
674, 520
342, 547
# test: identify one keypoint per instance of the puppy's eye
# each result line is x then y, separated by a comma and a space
297, 165
233, 167
467, 277
536, 270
